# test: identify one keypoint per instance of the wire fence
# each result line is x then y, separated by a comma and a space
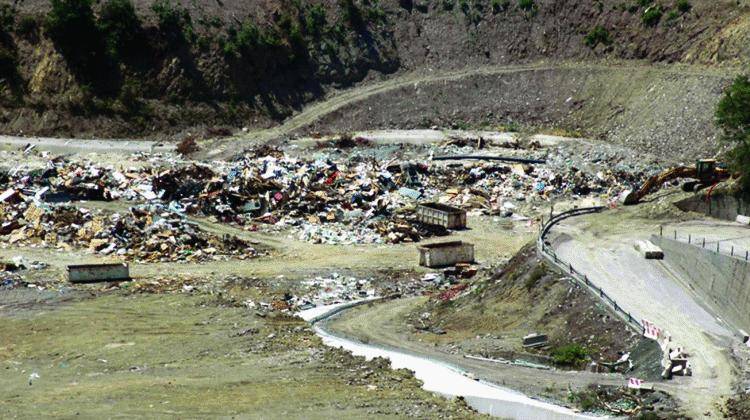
711, 245
549, 253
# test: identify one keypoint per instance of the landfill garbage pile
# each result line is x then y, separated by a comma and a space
145, 233
348, 200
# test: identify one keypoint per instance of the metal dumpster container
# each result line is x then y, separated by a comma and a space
88, 273
446, 253
441, 215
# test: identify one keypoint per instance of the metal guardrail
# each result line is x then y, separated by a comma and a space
713, 245
567, 268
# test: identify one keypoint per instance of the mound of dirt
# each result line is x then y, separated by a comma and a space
524, 297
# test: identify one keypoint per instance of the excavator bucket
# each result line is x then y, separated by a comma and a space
629, 197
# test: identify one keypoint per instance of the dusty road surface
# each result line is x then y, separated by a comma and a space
602, 247
383, 324
62, 145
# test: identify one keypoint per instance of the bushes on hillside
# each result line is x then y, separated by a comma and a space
27, 26
500, 5
72, 27
684, 6
7, 17
527, 5
173, 20
119, 24
652, 15
570, 355
315, 20
598, 35
733, 117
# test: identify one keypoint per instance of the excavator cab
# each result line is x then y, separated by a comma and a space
705, 168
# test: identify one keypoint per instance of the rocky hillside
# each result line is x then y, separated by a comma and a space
120, 69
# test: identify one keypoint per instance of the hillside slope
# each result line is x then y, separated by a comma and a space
222, 66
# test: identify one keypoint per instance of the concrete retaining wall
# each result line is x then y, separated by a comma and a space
720, 206
723, 281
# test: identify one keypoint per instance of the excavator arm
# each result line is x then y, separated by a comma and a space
656, 181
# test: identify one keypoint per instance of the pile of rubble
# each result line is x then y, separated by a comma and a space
353, 199
145, 233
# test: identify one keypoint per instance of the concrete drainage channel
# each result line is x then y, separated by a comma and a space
442, 378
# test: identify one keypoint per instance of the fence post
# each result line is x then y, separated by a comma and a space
732, 252
570, 266
690, 238
746, 252
586, 279
661, 230
717, 247
675, 235
704, 242
601, 293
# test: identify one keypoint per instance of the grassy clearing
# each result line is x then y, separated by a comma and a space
182, 355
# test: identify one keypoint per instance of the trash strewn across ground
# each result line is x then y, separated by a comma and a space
352, 198
144, 233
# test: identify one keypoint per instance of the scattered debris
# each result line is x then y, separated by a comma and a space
534, 340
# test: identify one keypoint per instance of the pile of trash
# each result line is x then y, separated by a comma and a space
145, 233
352, 199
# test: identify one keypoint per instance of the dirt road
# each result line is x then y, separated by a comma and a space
382, 324
85, 146
602, 247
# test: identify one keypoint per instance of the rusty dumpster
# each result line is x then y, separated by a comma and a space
441, 215
89, 273
446, 253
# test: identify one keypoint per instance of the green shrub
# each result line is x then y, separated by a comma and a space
570, 355
598, 35
536, 275
130, 95
644, 3
527, 5
71, 26
315, 20
684, 6
119, 24
351, 13
652, 15
500, 5
27, 26
7, 17
464, 6
249, 40
447, 5
672, 15
8, 63
70, 23
587, 401
173, 20
733, 118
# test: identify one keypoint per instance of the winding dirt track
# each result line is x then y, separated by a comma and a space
339, 99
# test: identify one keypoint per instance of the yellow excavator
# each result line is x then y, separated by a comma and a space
706, 172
